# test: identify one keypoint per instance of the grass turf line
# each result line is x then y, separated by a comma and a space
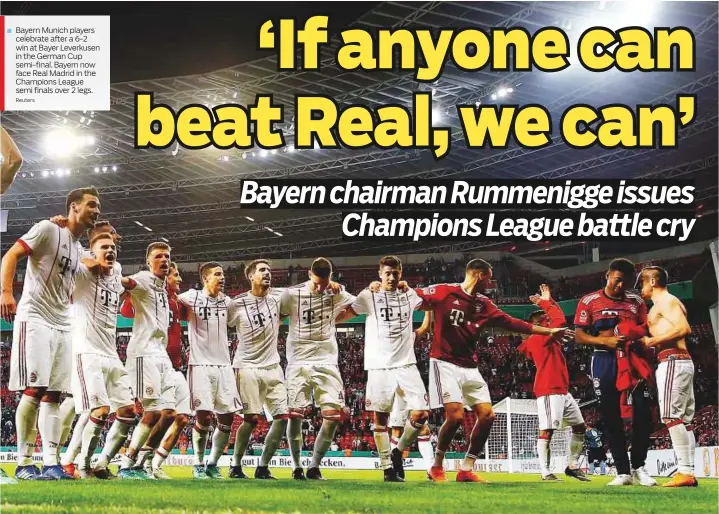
348, 492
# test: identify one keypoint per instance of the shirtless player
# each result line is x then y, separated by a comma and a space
668, 328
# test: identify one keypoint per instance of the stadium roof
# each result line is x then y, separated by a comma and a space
191, 198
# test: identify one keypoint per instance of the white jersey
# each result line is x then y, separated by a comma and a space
312, 338
54, 259
258, 326
208, 320
152, 316
389, 336
96, 302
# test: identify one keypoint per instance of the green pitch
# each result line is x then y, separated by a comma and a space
349, 491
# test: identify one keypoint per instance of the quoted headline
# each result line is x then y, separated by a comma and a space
320, 120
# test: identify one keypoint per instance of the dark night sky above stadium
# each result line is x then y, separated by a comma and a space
164, 39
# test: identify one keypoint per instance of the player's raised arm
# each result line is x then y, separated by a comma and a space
551, 308
11, 160
673, 311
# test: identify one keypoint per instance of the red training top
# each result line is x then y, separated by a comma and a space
458, 318
546, 352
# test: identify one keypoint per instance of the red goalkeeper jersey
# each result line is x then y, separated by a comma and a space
458, 320
546, 353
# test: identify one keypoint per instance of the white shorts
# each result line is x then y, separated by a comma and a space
213, 389
41, 356
675, 388
182, 394
399, 414
321, 383
262, 389
384, 385
153, 381
100, 380
449, 383
558, 411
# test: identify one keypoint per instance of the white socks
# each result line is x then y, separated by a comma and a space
272, 441
408, 436
67, 415
75, 445
576, 445
683, 445
116, 437
425, 449
544, 456
219, 441
438, 458
294, 438
468, 462
26, 416
381, 439
90, 437
139, 438
241, 440
159, 458
323, 441
50, 429
199, 443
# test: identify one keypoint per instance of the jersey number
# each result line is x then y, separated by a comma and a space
456, 317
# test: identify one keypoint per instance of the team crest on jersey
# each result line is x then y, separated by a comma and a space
583, 316
596, 383
367, 403
556, 423
33, 377
479, 307
149, 391
95, 398
446, 395
196, 403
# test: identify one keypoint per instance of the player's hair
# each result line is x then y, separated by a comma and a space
251, 267
206, 267
535, 316
101, 235
321, 267
104, 227
157, 245
658, 273
76, 195
624, 266
478, 265
173, 265
391, 261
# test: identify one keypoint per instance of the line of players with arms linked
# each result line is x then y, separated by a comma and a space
64, 340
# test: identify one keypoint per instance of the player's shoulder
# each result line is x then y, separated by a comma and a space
241, 297
634, 298
588, 298
441, 289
